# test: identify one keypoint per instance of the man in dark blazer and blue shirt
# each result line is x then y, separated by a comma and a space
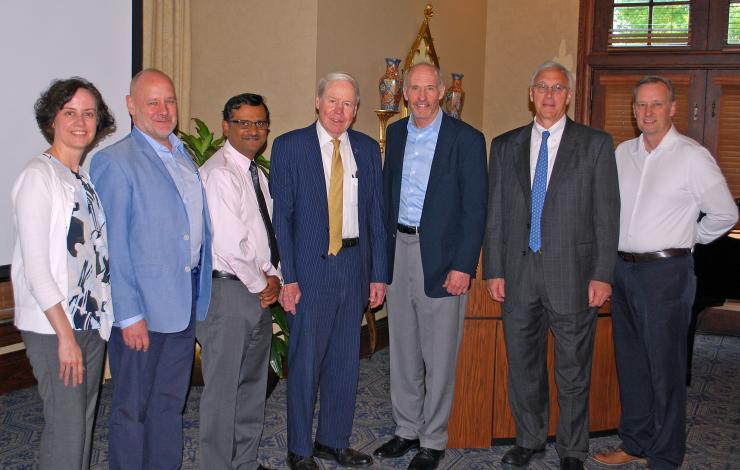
328, 216
434, 183
549, 256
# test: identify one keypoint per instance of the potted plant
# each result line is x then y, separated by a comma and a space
202, 145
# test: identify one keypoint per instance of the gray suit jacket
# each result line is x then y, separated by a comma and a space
580, 219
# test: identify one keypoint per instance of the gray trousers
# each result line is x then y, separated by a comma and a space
424, 336
525, 333
69, 412
235, 349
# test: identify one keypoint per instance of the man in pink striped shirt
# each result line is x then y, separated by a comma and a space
235, 336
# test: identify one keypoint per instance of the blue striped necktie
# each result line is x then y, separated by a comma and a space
539, 189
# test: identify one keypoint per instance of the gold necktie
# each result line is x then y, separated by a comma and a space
336, 194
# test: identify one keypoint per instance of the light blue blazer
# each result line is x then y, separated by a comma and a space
148, 237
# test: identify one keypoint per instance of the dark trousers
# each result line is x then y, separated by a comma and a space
149, 393
323, 354
651, 308
525, 332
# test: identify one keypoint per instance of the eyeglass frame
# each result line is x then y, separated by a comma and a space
247, 124
556, 89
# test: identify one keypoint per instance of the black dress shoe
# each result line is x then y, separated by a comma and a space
519, 456
426, 459
345, 457
570, 463
298, 462
262, 467
396, 447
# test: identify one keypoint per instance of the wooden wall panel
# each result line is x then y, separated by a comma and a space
471, 418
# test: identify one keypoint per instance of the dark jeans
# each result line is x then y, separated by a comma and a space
651, 308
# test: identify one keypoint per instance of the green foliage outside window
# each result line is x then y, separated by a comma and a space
733, 24
641, 23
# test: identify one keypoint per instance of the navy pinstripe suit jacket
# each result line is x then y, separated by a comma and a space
300, 207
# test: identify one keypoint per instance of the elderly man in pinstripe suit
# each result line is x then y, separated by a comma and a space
328, 218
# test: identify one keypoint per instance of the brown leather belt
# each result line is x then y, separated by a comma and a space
653, 255
407, 229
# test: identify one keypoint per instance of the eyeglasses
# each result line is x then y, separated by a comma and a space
246, 124
556, 89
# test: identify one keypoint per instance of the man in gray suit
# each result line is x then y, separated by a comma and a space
235, 336
549, 256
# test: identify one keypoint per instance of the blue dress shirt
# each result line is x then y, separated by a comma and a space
417, 164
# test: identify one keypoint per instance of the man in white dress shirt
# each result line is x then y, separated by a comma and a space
665, 180
235, 337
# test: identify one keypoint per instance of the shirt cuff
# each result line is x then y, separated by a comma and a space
128, 321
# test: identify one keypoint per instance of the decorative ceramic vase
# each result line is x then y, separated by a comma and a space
455, 97
390, 86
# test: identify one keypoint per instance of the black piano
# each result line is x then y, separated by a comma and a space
717, 268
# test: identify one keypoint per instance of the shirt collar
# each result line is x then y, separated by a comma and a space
433, 126
555, 130
325, 138
668, 139
236, 156
175, 142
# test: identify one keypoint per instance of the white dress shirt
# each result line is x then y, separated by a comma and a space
350, 227
553, 143
240, 243
663, 191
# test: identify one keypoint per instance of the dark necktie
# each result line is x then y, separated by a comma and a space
539, 189
274, 257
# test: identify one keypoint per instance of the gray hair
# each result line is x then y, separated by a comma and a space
334, 76
551, 64
654, 79
437, 73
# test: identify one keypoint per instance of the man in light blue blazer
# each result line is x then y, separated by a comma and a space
325, 181
160, 252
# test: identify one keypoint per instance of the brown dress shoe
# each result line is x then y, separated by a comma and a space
618, 457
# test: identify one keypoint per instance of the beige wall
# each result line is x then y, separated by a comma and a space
260, 47
356, 37
522, 35
280, 49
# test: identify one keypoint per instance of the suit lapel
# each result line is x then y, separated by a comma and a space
315, 168
153, 158
521, 164
564, 159
442, 150
395, 156
363, 171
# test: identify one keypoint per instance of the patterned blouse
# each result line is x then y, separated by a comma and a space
87, 258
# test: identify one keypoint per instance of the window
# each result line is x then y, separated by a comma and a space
652, 23
733, 24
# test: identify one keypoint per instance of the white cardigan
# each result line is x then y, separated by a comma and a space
43, 200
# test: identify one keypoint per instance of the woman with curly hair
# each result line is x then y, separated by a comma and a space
60, 270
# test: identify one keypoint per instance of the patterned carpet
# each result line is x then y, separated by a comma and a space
713, 423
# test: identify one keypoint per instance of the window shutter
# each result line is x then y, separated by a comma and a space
728, 135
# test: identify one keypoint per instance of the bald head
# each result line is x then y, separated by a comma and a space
153, 105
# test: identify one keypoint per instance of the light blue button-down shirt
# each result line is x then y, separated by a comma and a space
417, 164
187, 180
